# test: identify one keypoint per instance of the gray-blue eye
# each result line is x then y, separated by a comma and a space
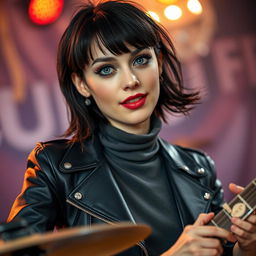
105, 71
142, 59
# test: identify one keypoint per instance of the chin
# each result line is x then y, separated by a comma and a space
140, 120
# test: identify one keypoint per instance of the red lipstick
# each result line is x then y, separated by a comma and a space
135, 101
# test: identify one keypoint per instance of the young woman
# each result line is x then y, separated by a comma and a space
119, 74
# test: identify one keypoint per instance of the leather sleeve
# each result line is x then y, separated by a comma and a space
215, 185
38, 202
217, 202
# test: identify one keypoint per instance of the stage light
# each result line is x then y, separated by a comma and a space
154, 16
44, 12
192, 24
173, 12
194, 6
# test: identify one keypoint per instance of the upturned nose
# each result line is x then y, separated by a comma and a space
130, 80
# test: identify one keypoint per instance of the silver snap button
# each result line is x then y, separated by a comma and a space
185, 168
207, 196
78, 195
67, 165
201, 171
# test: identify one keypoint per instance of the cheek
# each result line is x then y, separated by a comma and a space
154, 84
152, 79
102, 96
101, 92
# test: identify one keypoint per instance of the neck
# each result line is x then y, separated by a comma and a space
140, 128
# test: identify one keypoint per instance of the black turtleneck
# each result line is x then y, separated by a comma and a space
140, 172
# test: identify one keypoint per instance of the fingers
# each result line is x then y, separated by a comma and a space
212, 231
203, 219
190, 243
200, 240
252, 219
211, 243
209, 231
242, 228
235, 188
245, 232
203, 251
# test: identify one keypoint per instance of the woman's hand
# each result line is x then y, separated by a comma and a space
243, 230
198, 239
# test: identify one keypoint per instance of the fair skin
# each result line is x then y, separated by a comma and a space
198, 239
111, 79
244, 231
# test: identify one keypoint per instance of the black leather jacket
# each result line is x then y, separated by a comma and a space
68, 186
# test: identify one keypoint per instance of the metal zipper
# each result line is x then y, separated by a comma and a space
106, 221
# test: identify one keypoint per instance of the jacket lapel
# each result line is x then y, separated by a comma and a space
97, 192
99, 195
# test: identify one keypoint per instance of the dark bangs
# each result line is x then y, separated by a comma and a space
114, 28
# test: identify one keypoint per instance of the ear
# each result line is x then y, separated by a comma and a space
80, 85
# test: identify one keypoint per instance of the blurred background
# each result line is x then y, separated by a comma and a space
216, 42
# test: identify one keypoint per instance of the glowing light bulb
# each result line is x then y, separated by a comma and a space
154, 15
43, 12
173, 12
194, 6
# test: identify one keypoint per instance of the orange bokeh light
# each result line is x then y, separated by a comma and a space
167, 1
43, 12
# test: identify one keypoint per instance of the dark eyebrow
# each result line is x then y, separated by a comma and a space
109, 59
103, 59
138, 50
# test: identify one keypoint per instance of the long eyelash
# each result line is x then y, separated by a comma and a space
98, 70
146, 56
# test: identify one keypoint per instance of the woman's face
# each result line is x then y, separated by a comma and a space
125, 87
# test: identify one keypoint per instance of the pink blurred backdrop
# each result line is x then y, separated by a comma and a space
223, 125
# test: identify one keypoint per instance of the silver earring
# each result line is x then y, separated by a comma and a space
87, 102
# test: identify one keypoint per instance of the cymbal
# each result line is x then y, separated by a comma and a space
98, 240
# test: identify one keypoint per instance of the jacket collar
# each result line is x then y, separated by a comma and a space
82, 157
182, 162
90, 154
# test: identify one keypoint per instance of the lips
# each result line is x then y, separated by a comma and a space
135, 101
